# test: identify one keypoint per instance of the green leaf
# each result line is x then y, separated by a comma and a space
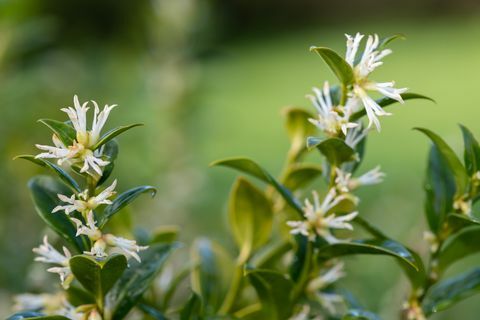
62, 174
337, 64
298, 129
273, 290
44, 191
113, 133
192, 309
252, 168
165, 234
357, 314
250, 217
385, 41
448, 292
64, 132
418, 277
34, 315
300, 175
386, 101
122, 200
439, 188
98, 277
151, 311
335, 150
126, 292
459, 172
110, 152
212, 273
76, 296
459, 246
472, 151
370, 246
457, 222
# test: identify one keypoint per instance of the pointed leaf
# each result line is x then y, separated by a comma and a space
122, 200
335, 150
44, 191
457, 222
250, 216
192, 309
250, 167
385, 41
110, 152
113, 133
472, 151
459, 246
98, 277
448, 292
300, 175
135, 281
337, 64
64, 132
62, 174
298, 129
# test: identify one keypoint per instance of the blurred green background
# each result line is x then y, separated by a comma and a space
209, 80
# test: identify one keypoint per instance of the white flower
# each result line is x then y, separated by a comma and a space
81, 149
354, 136
82, 203
345, 182
129, 247
327, 278
463, 205
370, 59
330, 301
432, 240
319, 220
331, 119
66, 275
413, 311
90, 230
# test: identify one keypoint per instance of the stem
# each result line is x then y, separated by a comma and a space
343, 98
233, 290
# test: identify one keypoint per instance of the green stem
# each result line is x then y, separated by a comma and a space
272, 253
343, 98
233, 290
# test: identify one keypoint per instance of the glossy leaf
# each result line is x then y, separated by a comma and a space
472, 151
76, 296
98, 277
458, 221
357, 314
250, 217
110, 152
151, 312
44, 191
448, 292
439, 188
386, 101
451, 159
459, 246
64, 132
62, 174
113, 133
252, 168
371, 246
300, 175
122, 200
335, 150
135, 281
273, 290
337, 64
298, 129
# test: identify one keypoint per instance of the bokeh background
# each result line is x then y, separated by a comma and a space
209, 80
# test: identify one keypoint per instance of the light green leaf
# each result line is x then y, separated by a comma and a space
250, 217
459, 172
298, 129
252, 168
62, 174
44, 191
300, 175
122, 200
472, 151
64, 132
335, 150
135, 281
337, 64
113, 133
98, 277
385, 41
448, 292
459, 246
273, 290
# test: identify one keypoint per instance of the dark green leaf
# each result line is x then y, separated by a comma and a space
192, 309
472, 151
371, 246
459, 172
122, 200
110, 152
165, 234
356, 314
459, 221
44, 191
417, 278
98, 277
77, 296
135, 281
62, 174
459, 246
273, 290
250, 167
386, 101
335, 150
113, 133
300, 175
448, 292
439, 188
151, 311
64, 132
337, 64
250, 217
